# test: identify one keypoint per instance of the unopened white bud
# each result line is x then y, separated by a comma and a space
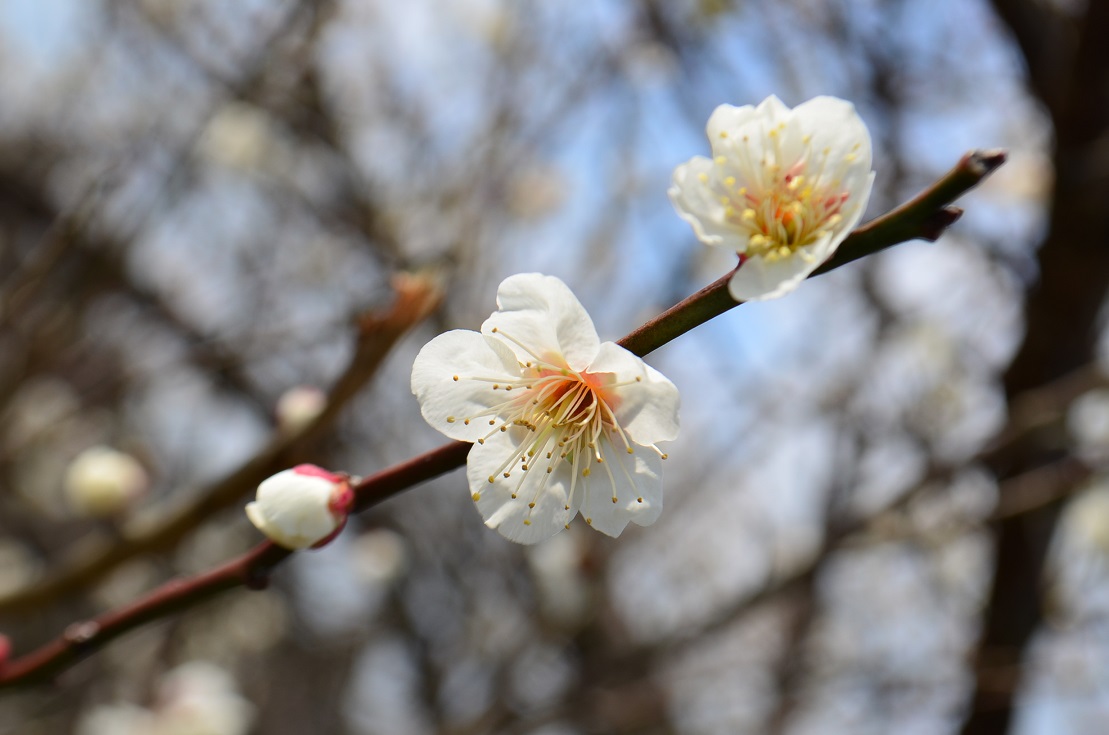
101, 481
298, 407
301, 507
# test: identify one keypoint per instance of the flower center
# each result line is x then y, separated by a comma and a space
782, 209
566, 414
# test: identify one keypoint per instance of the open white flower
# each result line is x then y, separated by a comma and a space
783, 189
301, 507
562, 422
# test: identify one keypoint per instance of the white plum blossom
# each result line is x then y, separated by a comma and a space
301, 507
560, 421
783, 189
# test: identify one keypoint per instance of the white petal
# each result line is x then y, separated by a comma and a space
698, 204
542, 313
292, 509
468, 355
760, 279
647, 410
549, 492
727, 119
840, 134
635, 480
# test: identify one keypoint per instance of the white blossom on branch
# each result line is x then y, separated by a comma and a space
561, 422
783, 189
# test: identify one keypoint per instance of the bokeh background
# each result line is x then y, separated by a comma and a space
885, 512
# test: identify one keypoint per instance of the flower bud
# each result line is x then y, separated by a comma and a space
298, 407
101, 482
302, 507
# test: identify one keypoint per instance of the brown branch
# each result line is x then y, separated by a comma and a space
923, 217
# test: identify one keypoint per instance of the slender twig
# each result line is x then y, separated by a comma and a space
925, 217
377, 331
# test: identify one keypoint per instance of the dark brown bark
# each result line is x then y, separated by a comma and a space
1072, 79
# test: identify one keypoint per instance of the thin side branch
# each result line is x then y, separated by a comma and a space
377, 332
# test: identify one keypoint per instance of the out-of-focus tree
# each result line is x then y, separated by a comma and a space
886, 510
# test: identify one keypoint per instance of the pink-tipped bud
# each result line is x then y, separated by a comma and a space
302, 507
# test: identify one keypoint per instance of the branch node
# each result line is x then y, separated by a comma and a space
256, 579
80, 633
937, 223
984, 162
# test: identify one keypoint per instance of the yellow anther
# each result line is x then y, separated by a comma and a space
589, 521
703, 178
639, 500
531, 505
476, 497
508, 474
729, 181
665, 456
723, 133
631, 451
513, 496
454, 378
480, 441
750, 214
585, 472
450, 419
720, 160
639, 378
527, 522
492, 479
466, 421
614, 501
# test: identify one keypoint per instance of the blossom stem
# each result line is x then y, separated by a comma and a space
924, 217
